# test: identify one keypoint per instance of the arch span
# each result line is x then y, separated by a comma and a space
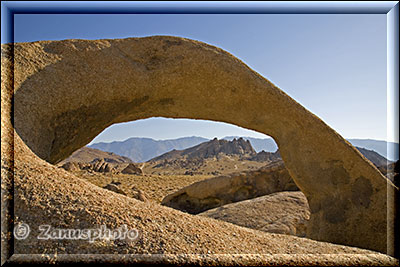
68, 91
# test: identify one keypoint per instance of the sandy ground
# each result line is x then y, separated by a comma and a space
155, 187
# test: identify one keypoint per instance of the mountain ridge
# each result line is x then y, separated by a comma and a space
142, 149
212, 148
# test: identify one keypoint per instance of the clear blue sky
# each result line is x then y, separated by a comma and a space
334, 65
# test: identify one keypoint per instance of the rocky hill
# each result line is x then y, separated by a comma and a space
89, 155
259, 144
389, 150
143, 149
214, 148
264, 156
374, 157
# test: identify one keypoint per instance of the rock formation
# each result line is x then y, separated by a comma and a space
211, 149
115, 188
97, 165
281, 212
138, 194
101, 166
71, 166
267, 156
87, 155
132, 169
222, 190
216, 192
64, 93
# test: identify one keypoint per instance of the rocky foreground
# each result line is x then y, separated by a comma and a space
282, 212
45, 194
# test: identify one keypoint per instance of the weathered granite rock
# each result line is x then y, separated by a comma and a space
281, 212
139, 194
132, 169
71, 166
96, 165
222, 190
100, 166
67, 92
114, 188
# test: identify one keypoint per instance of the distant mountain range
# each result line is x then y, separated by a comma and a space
210, 157
389, 150
143, 149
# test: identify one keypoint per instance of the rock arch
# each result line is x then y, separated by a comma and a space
67, 92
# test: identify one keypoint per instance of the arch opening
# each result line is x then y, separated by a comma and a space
176, 160
85, 86
192, 157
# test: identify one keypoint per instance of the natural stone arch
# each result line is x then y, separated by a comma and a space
67, 92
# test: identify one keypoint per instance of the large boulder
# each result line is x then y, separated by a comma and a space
64, 93
97, 165
71, 166
222, 190
100, 166
139, 194
281, 212
132, 169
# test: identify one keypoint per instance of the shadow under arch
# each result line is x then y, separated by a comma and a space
68, 91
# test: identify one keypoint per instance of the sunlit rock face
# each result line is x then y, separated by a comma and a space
282, 212
67, 92
221, 190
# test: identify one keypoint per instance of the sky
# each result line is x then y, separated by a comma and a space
334, 65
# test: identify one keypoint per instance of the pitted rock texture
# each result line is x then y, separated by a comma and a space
67, 92
215, 192
281, 212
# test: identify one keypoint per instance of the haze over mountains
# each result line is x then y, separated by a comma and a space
389, 150
143, 149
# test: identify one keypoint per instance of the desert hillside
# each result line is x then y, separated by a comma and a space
215, 157
88, 155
